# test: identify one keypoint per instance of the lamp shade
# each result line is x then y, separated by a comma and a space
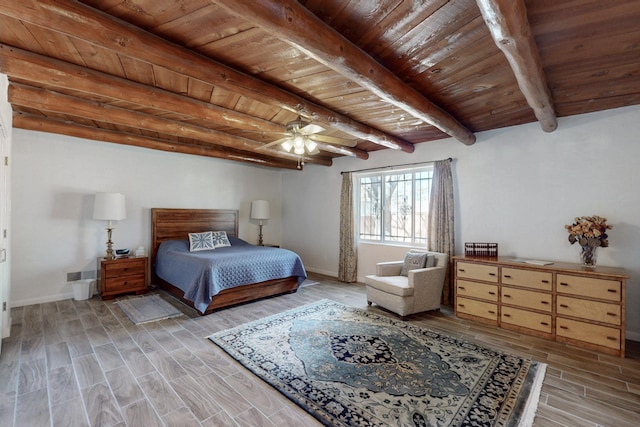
260, 209
109, 206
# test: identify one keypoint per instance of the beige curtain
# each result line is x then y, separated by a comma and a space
348, 262
441, 220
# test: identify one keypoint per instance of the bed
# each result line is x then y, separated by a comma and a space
174, 225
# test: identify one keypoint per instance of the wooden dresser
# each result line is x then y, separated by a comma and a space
123, 275
561, 301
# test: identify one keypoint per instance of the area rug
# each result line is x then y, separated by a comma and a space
148, 308
351, 367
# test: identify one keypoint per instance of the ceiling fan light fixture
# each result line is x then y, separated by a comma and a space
311, 145
287, 145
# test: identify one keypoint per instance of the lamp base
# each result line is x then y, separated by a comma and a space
260, 242
109, 254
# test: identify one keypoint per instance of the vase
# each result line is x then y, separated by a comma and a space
588, 255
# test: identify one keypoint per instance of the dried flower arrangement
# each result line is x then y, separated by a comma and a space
589, 231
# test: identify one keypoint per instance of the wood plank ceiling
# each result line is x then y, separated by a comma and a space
222, 78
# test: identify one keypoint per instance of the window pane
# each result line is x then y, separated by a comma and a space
370, 196
422, 194
398, 211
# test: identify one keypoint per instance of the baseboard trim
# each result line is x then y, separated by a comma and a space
42, 299
323, 272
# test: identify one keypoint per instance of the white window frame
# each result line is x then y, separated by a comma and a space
385, 236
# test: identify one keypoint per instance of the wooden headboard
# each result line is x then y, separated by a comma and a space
176, 224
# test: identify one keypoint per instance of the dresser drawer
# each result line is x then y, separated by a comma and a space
477, 290
526, 319
477, 308
529, 299
125, 283
468, 270
594, 334
531, 279
590, 310
124, 268
610, 290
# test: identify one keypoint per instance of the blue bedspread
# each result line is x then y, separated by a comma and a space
205, 273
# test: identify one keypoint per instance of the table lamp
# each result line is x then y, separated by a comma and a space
109, 207
260, 211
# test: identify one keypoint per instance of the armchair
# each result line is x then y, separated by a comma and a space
420, 290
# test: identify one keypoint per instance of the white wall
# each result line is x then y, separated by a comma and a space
54, 179
516, 186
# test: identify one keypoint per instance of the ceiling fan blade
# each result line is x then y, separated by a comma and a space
272, 143
311, 129
333, 140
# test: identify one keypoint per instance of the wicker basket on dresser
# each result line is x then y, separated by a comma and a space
561, 301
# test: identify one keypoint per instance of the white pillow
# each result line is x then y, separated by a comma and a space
412, 261
201, 241
220, 239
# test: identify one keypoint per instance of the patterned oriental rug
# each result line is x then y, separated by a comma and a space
350, 367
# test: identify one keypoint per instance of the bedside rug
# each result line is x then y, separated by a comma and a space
149, 308
348, 367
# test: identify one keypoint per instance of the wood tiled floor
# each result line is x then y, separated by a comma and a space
83, 363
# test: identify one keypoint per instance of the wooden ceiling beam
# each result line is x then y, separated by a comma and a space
509, 27
292, 23
53, 102
76, 20
43, 70
43, 124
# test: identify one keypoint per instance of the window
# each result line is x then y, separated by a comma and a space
393, 206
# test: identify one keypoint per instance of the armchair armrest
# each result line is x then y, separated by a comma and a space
389, 268
427, 279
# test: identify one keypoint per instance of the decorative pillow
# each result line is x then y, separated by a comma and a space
412, 261
220, 239
201, 241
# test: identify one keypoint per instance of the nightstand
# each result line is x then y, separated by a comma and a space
123, 275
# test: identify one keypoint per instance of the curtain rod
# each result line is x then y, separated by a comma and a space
394, 166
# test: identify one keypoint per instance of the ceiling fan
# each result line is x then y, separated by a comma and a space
304, 137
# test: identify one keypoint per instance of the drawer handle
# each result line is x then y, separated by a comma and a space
506, 295
564, 306
506, 315
544, 281
612, 290
564, 284
544, 302
492, 274
492, 312
544, 323
564, 327
507, 276
461, 270
491, 293
612, 339
460, 305
612, 314
461, 287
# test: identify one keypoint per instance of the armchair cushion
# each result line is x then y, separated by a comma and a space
395, 285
